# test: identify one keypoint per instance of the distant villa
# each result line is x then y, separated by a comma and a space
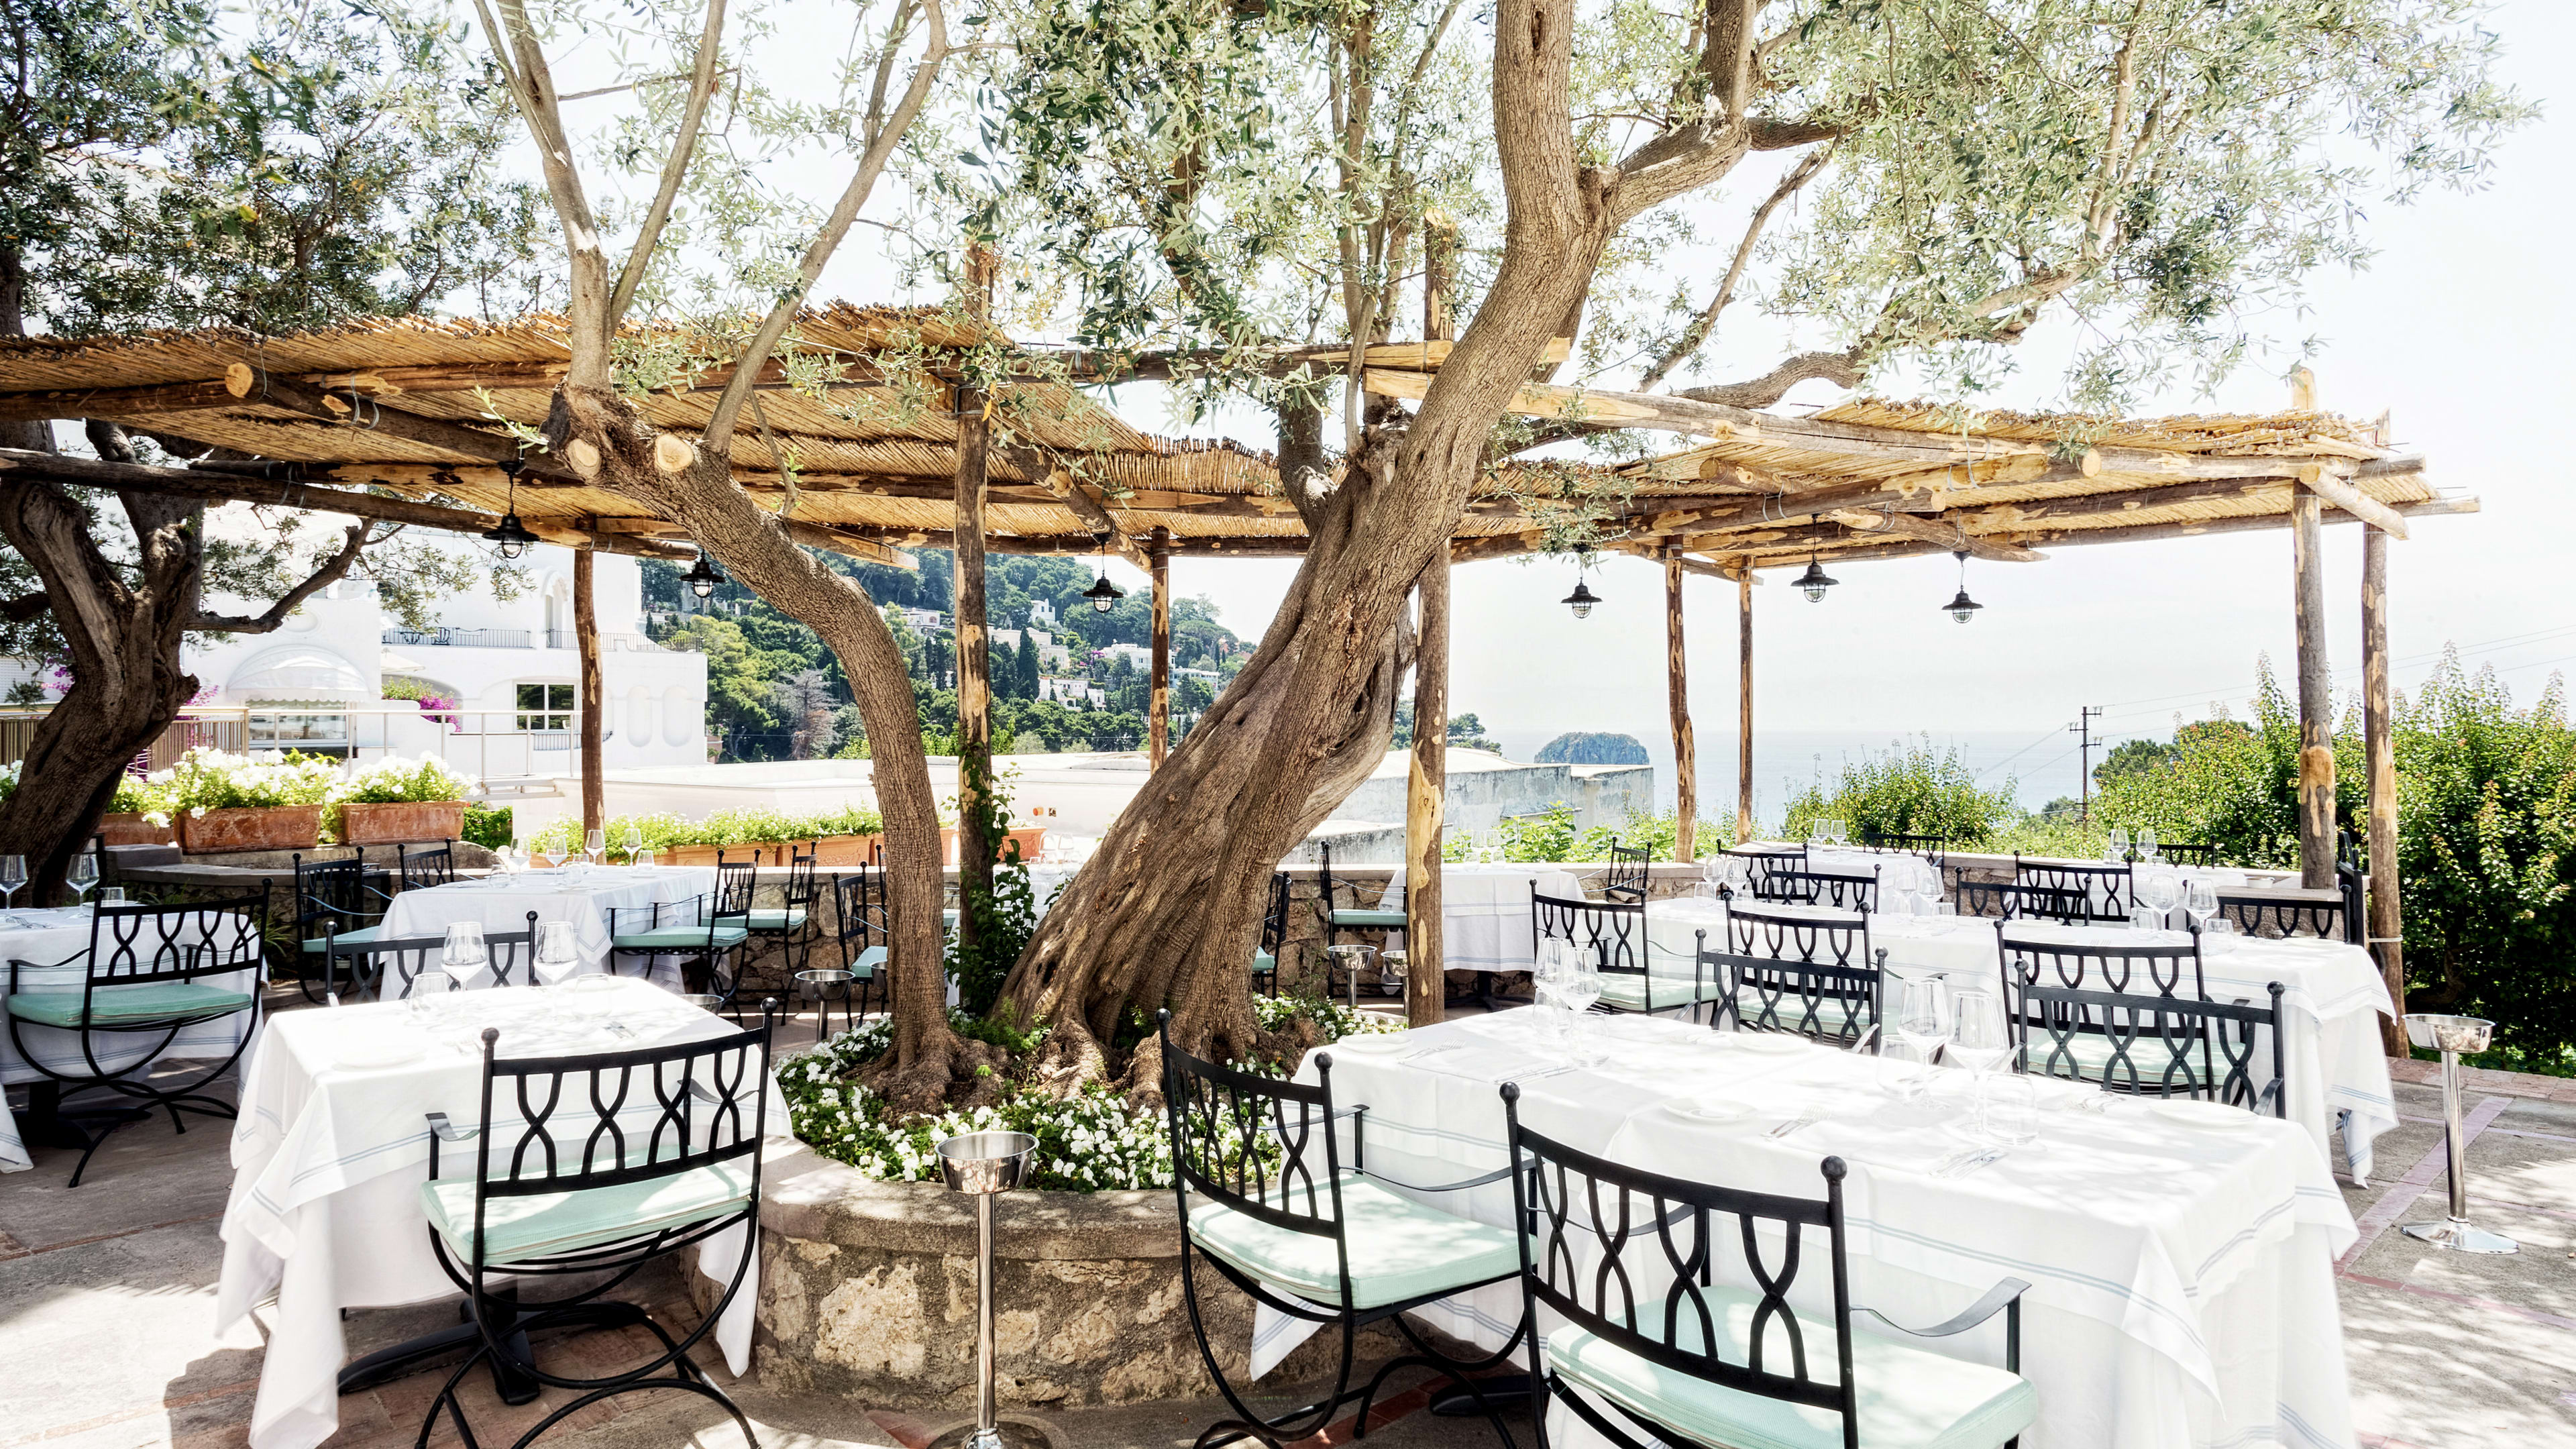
1579, 748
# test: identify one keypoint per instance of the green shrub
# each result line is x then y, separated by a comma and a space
1910, 790
489, 828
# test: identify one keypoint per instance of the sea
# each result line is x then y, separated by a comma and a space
2036, 765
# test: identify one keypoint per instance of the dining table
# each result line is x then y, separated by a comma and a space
54, 943
581, 894
332, 1147
2180, 1255
1485, 917
2331, 1000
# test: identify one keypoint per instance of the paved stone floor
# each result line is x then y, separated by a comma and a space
107, 1304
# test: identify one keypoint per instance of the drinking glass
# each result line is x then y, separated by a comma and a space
595, 845
2147, 843
634, 845
2218, 937
1981, 1039
2117, 851
13, 874
112, 896
82, 874
557, 959
465, 953
2012, 1111
1919, 1020
426, 991
2200, 902
1580, 988
1836, 832
2158, 889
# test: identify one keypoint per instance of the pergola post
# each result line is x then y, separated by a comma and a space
1677, 682
974, 651
1158, 707
2386, 923
2316, 683
585, 630
1744, 708
1425, 990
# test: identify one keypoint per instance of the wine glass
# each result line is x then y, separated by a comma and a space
595, 845
557, 958
2117, 851
634, 844
1920, 1020
82, 874
2200, 902
2158, 890
13, 874
421, 997
1981, 1038
465, 954
1578, 990
2147, 843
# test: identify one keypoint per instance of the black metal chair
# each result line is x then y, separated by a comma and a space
2015, 902
2276, 917
1807, 971
2178, 853
1764, 860
794, 923
859, 923
511, 961
2106, 892
333, 896
424, 866
1338, 919
612, 1160
1625, 882
1611, 936
1282, 1219
2153, 1045
1934, 848
143, 981
2123, 969
1657, 1344
709, 929
1274, 936
1840, 890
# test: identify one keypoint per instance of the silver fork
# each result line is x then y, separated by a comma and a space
1971, 1163
1792, 1125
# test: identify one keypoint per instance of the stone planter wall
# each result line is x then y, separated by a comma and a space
406, 821
867, 1290
276, 827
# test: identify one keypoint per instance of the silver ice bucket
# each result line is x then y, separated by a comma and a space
987, 1162
2467, 1035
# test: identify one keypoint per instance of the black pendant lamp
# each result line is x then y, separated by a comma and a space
1103, 594
1815, 581
703, 576
1963, 608
510, 536
1582, 599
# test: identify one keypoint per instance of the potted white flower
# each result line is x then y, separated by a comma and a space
396, 799
227, 802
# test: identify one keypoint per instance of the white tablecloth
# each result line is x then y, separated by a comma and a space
2332, 996
1485, 912
502, 903
50, 940
2182, 1276
328, 1161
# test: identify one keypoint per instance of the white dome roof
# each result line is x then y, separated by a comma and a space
300, 672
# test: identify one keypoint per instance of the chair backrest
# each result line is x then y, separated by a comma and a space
333, 889
1593, 1230
137, 944
390, 967
1766, 861
1818, 1000
1259, 1145
858, 907
2015, 902
426, 865
2105, 892
1842, 890
1626, 880
2163, 1046
1274, 921
2177, 853
1934, 848
1324, 902
1611, 933
2274, 917
1814, 937
735, 882
800, 889
606, 1119
2143, 968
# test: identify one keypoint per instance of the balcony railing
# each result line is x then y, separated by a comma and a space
462, 638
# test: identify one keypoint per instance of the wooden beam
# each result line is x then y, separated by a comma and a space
1677, 692
2259, 523
2316, 695
1426, 781
275, 390
1744, 706
1158, 697
2384, 913
1906, 525
2342, 494
848, 545
585, 630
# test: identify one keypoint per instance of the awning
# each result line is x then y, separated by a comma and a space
302, 674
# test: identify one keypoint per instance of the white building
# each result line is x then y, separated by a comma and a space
1138, 657
918, 619
1042, 613
1071, 691
511, 671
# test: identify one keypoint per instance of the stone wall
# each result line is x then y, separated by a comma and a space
867, 1290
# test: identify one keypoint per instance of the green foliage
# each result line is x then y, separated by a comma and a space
213, 780
1000, 919
2128, 757
394, 780
1552, 835
1910, 790
487, 826
1466, 732
1580, 748
664, 830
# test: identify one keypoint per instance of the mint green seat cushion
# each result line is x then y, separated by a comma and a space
1909, 1397
870, 962
2085, 1056
678, 938
516, 1229
1628, 992
1263, 963
154, 1001
1400, 1249
787, 920
1371, 918
359, 937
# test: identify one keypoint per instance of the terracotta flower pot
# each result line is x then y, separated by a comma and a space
130, 828
688, 855
384, 824
273, 827
1031, 841
845, 849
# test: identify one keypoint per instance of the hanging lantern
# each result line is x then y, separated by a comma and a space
1103, 594
1815, 581
1963, 608
1582, 599
703, 576
510, 537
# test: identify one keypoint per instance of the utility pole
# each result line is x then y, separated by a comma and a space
2082, 729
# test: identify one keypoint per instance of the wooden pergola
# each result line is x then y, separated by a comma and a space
867, 443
